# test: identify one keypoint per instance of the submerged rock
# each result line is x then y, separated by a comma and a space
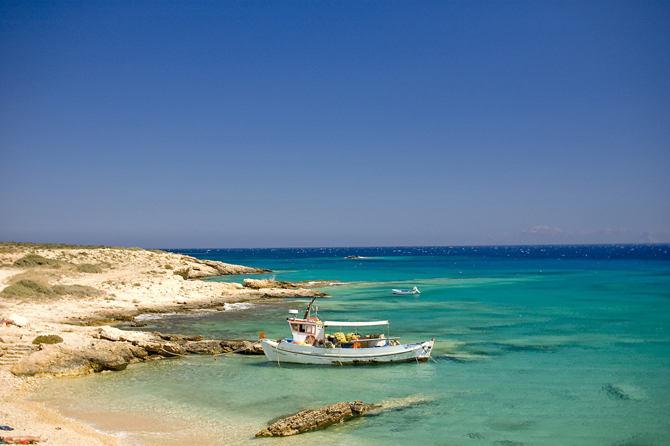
309, 420
615, 392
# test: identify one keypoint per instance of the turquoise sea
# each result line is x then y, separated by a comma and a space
544, 345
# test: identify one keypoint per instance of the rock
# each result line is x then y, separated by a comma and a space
268, 283
615, 392
19, 321
107, 333
243, 347
199, 268
172, 349
194, 338
225, 269
108, 355
170, 337
139, 352
298, 292
205, 347
309, 420
62, 360
183, 273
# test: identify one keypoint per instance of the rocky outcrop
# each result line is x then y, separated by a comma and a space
206, 348
280, 289
114, 349
62, 360
199, 269
309, 420
268, 283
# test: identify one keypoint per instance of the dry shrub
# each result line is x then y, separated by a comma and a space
47, 339
24, 288
30, 260
31, 288
75, 290
88, 268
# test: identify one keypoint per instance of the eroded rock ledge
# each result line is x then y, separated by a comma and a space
309, 420
114, 349
198, 269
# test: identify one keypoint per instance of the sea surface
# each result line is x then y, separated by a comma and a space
544, 345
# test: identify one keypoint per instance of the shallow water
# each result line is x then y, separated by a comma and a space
562, 347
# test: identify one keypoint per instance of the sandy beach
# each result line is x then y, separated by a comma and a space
85, 292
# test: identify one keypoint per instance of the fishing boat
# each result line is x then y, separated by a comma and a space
415, 290
311, 343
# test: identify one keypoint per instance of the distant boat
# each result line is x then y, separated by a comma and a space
415, 290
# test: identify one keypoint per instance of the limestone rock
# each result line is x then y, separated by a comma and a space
309, 420
172, 349
138, 352
19, 321
267, 283
198, 269
244, 347
63, 360
205, 347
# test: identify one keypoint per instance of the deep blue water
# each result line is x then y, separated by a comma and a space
534, 346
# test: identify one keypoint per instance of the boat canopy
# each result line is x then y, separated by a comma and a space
354, 324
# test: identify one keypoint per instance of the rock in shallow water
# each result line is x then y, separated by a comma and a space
309, 420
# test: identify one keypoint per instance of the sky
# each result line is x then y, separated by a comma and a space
204, 124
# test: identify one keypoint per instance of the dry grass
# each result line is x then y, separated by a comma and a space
30, 260
76, 290
43, 275
34, 285
88, 268
26, 288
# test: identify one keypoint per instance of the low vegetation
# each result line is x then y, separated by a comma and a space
25, 288
8, 246
47, 339
30, 288
30, 260
75, 290
88, 268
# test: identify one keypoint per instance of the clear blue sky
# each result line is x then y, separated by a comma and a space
362, 123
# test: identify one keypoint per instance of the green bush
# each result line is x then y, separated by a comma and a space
26, 287
168, 266
35, 260
88, 268
47, 339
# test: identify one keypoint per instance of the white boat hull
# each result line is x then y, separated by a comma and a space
284, 351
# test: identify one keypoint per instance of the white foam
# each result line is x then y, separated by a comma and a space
153, 316
237, 306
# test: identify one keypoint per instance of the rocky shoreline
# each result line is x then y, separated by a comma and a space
60, 303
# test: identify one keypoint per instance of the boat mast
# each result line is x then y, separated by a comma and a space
309, 307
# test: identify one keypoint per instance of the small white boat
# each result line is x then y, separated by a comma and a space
415, 290
311, 344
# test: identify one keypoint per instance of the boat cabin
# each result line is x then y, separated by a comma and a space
312, 331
